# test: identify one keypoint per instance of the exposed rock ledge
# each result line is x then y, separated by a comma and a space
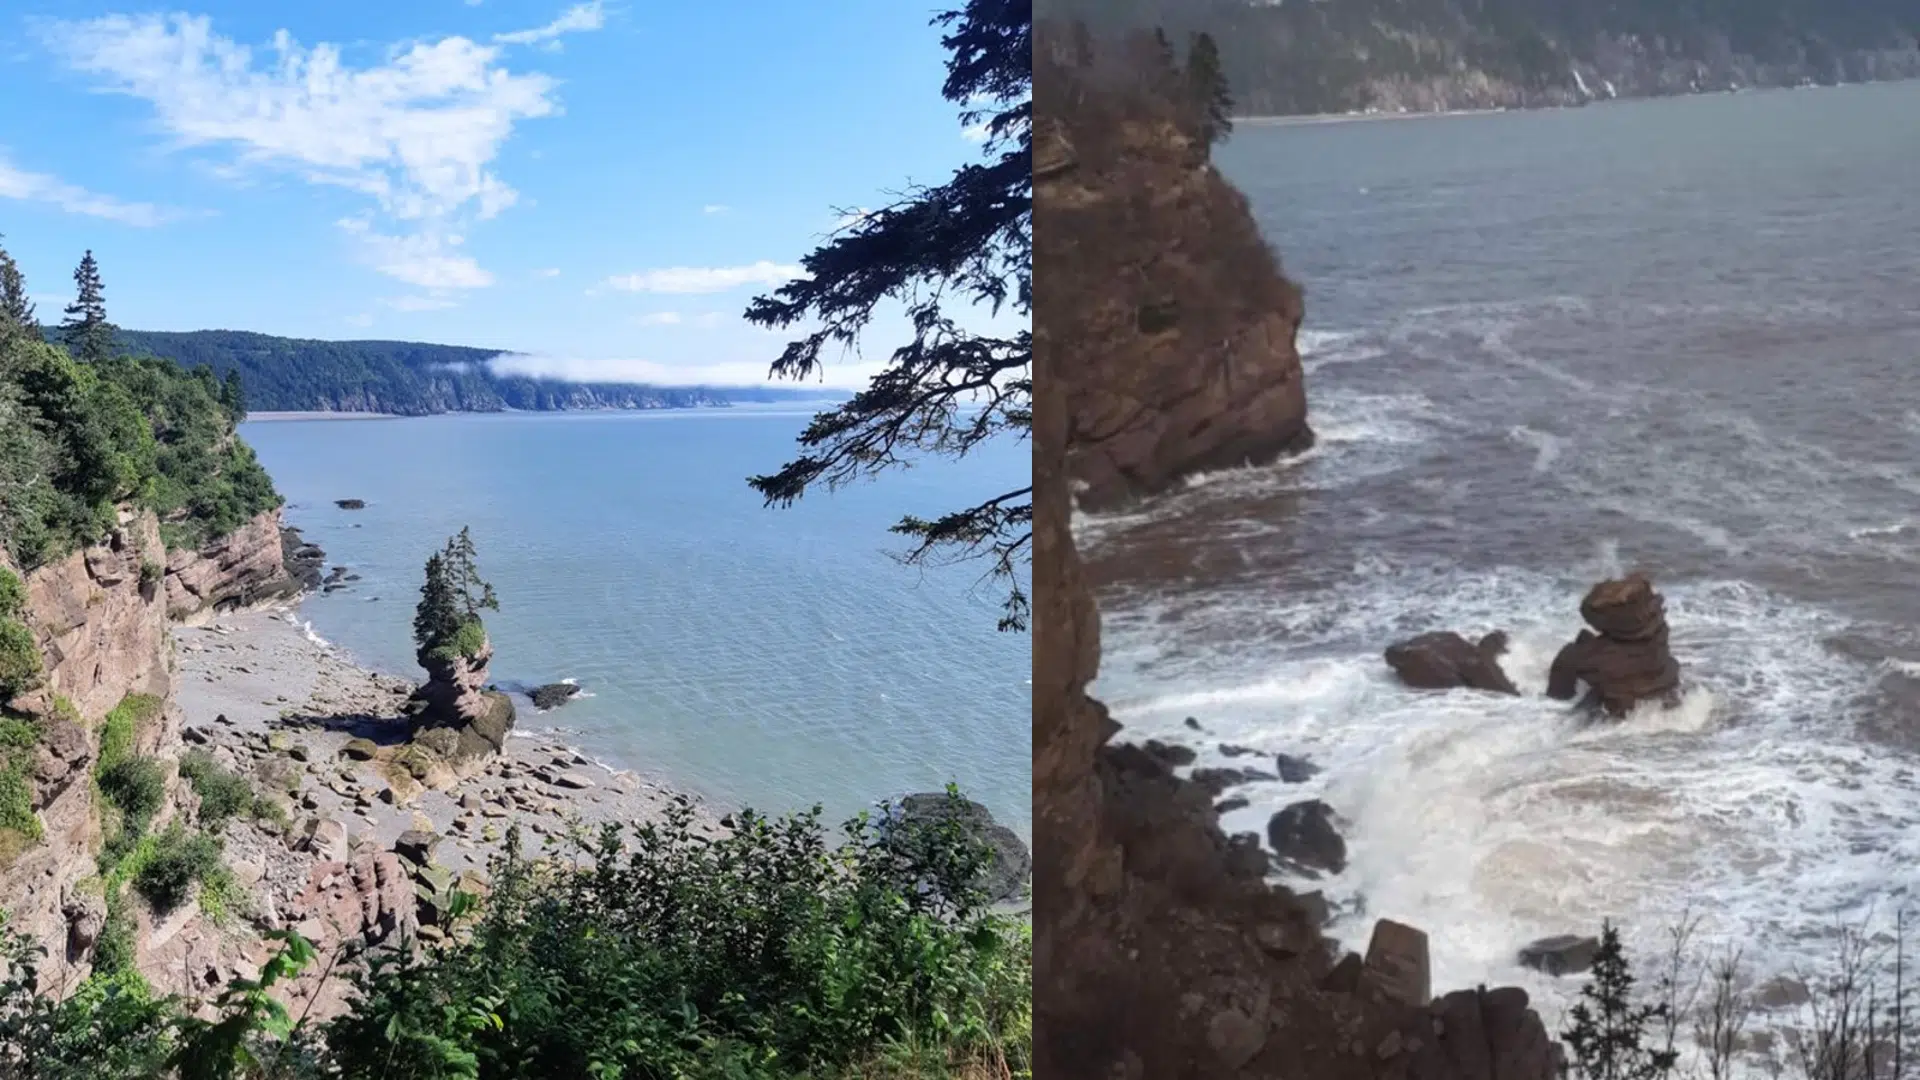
1167, 954
1183, 355
245, 568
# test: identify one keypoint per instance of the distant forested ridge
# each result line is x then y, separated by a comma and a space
406, 378
1332, 56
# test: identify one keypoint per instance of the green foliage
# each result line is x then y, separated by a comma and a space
179, 861
946, 390
110, 1028
1207, 87
446, 623
223, 794
116, 950
13, 594
19, 658
769, 950
1607, 1030
121, 728
16, 799
88, 335
232, 1046
136, 786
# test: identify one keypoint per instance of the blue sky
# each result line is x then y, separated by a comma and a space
601, 187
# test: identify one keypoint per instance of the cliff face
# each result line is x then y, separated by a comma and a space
244, 568
1426, 55
1183, 358
101, 617
1166, 954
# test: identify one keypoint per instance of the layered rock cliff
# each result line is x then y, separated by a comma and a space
101, 618
1184, 356
1166, 954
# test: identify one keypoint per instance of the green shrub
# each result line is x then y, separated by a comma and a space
136, 786
19, 658
13, 594
179, 861
16, 801
223, 794
121, 729
115, 951
110, 1028
466, 642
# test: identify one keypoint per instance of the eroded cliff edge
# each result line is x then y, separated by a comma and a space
101, 619
1163, 952
1185, 333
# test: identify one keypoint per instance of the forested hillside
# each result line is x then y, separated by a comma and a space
1324, 56
409, 378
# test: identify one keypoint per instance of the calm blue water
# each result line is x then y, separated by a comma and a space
775, 658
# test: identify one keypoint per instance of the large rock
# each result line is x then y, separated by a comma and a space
245, 568
1628, 661
1184, 356
553, 695
1010, 863
1443, 660
1564, 954
455, 700
1305, 835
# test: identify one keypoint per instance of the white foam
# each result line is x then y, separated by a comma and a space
1491, 820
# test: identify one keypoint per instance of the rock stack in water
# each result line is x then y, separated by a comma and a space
1627, 661
457, 722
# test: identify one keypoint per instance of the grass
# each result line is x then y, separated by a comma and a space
121, 729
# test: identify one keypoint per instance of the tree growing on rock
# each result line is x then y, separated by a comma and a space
964, 244
446, 623
88, 335
1207, 83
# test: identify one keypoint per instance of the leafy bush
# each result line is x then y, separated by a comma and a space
16, 802
180, 860
13, 594
136, 786
465, 642
223, 794
121, 728
19, 653
110, 1028
769, 951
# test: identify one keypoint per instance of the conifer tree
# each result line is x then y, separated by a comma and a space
16, 311
464, 571
1207, 83
233, 395
438, 615
88, 335
966, 243
1607, 1030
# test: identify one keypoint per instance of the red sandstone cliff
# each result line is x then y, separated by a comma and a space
1183, 357
1161, 952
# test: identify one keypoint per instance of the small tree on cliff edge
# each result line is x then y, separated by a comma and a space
85, 330
1606, 1030
968, 242
16, 310
447, 621
1207, 83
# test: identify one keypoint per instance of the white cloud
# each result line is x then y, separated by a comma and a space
660, 318
362, 319
707, 320
548, 271
418, 303
579, 17
743, 373
417, 134
424, 259
976, 133
715, 208
684, 280
27, 186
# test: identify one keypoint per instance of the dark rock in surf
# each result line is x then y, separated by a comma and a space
1304, 835
1563, 954
1168, 753
1443, 660
1295, 770
350, 504
553, 695
1228, 806
1628, 661
1214, 781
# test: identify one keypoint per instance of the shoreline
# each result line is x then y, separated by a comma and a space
282, 417
272, 701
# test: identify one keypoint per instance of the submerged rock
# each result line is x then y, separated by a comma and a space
1295, 770
1628, 661
1443, 660
350, 504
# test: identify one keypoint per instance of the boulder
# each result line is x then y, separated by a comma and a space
1398, 963
553, 695
417, 846
1215, 780
1011, 863
1627, 661
350, 504
360, 749
1563, 954
1443, 660
1169, 752
1304, 835
326, 838
1295, 770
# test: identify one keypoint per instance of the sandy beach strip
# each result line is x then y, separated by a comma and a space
281, 417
